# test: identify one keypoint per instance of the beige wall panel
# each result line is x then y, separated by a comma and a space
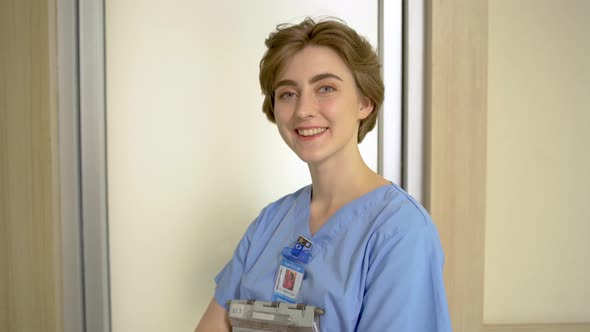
30, 293
457, 153
537, 251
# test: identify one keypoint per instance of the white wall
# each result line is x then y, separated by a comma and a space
538, 221
191, 157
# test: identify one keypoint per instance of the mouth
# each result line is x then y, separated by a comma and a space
310, 131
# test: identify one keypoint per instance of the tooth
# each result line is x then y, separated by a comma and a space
310, 132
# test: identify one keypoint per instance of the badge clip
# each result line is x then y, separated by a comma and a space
300, 244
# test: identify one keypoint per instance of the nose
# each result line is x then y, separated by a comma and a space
307, 105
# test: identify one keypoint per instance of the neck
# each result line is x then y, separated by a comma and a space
337, 182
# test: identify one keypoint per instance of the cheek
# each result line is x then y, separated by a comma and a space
281, 124
282, 130
286, 135
334, 110
335, 107
282, 113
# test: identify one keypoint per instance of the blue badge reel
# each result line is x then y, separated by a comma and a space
291, 271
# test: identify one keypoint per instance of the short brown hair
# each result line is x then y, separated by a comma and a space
356, 52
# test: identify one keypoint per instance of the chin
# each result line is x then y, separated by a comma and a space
311, 158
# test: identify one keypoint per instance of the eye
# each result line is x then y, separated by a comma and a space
287, 95
326, 89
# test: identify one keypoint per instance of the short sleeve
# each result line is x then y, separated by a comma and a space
229, 278
404, 290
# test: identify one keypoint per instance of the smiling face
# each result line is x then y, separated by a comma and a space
317, 106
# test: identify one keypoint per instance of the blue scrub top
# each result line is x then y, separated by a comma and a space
376, 264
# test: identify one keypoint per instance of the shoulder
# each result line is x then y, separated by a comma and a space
401, 216
273, 213
286, 202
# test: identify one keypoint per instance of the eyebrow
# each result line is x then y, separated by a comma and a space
312, 80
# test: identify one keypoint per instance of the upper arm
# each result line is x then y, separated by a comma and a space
215, 319
228, 280
404, 288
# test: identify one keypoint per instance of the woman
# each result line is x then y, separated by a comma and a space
376, 260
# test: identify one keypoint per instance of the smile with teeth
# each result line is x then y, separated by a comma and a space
311, 132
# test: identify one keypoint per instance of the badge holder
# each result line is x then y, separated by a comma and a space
291, 271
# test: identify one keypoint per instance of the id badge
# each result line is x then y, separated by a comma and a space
288, 281
291, 271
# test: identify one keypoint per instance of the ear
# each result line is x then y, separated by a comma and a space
366, 107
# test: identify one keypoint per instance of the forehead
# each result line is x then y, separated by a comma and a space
311, 61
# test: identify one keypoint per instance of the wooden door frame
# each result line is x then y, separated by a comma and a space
30, 256
455, 176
